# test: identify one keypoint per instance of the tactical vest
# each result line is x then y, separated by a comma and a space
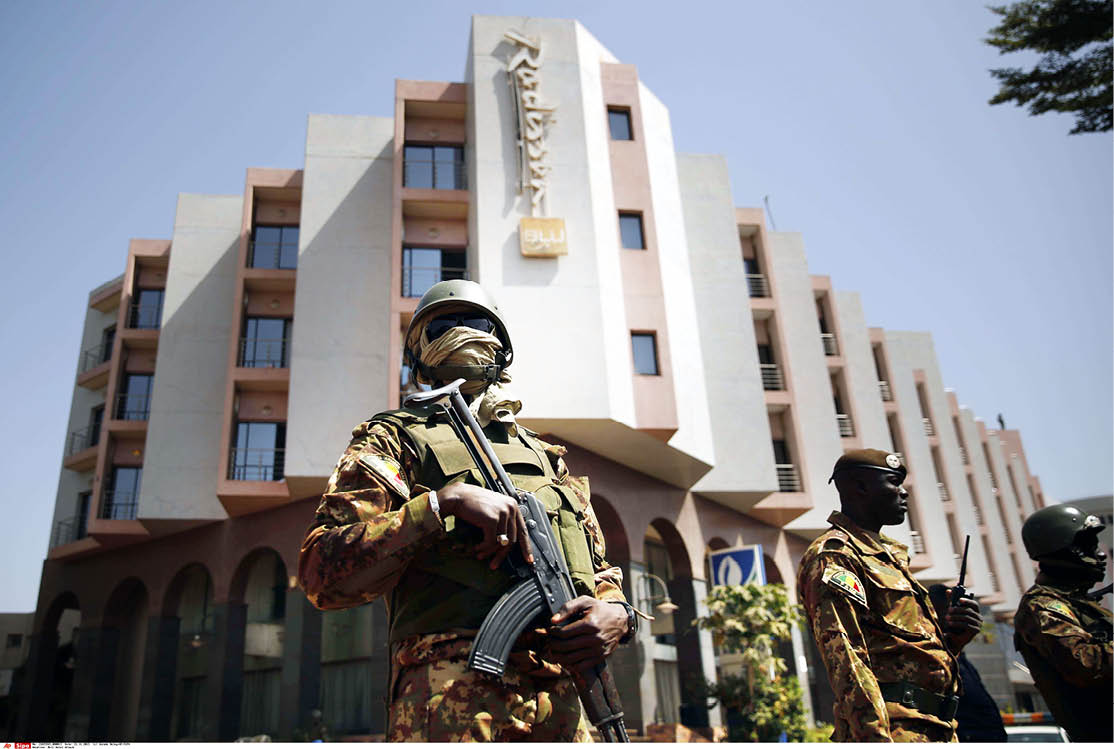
445, 587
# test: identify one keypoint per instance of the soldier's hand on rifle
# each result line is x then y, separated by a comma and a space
496, 515
962, 622
585, 631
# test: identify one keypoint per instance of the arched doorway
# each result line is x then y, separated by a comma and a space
190, 599
47, 684
261, 582
125, 631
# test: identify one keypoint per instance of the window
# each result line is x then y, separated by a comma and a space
83, 500
645, 349
434, 167
630, 231
750, 265
618, 119
13, 641
134, 403
146, 310
121, 496
765, 354
266, 342
108, 336
96, 418
259, 453
274, 247
424, 266
781, 453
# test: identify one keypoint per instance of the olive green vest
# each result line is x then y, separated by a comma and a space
445, 587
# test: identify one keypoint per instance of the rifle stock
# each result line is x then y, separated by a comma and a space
544, 586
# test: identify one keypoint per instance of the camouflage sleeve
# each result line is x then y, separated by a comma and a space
370, 523
834, 618
608, 579
1050, 626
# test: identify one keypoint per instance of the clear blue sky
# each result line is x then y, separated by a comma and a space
865, 122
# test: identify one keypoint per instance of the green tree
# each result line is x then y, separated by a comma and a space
1073, 74
760, 702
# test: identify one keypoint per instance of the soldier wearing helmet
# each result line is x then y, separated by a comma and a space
404, 517
891, 661
1061, 632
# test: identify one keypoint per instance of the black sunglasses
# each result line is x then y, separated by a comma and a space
438, 326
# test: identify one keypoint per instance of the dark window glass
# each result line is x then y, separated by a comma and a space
424, 266
274, 247
781, 453
134, 402
266, 342
645, 350
96, 418
434, 167
259, 451
765, 353
82, 518
107, 339
14, 640
750, 264
121, 497
630, 231
619, 122
146, 309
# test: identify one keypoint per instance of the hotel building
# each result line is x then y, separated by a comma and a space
698, 373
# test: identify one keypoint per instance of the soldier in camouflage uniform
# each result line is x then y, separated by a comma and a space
404, 517
890, 661
1061, 632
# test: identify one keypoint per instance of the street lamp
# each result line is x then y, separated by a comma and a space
666, 606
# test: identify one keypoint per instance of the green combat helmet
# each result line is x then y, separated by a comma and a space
1064, 537
456, 296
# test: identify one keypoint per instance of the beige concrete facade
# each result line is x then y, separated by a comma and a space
765, 373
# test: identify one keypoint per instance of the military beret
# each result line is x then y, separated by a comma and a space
876, 459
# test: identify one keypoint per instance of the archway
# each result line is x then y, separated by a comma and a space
189, 599
47, 682
124, 630
260, 583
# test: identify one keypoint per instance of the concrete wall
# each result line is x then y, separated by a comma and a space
1009, 506
183, 451
817, 440
726, 329
859, 375
341, 341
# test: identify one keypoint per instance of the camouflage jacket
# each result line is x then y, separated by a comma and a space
873, 623
374, 518
1065, 640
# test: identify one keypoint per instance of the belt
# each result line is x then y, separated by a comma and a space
912, 696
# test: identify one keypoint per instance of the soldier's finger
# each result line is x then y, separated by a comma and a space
523, 536
572, 628
573, 608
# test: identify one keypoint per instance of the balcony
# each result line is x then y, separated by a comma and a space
94, 356
447, 173
256, 353
831, 348
757, 285
67, 531
132, 407
83, 439
269, 255
964, 457
119, 505
788, 480
993, 481
994, 583
918, 542
929, 430
771, 377
943, 492
846, 428
417, 279
978, 515
884, 389
145, 316
256, 463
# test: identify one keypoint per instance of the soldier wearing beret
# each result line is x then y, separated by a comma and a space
404, 517
891, 662
1061, 631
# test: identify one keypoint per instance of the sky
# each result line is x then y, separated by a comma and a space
865, 123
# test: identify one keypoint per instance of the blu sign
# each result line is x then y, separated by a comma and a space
738, 566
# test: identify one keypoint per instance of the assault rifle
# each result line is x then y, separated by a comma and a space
544, 586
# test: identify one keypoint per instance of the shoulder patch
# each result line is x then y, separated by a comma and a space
1061, 608
388, 470
846, 581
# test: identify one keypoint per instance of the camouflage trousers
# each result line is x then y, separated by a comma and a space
919, 732
444, 700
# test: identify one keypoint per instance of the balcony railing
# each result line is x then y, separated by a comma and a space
993, 583
757, 285
272, 255
918, 542
427, 174
846, 428
943, 492
417, 279
145, 316
964, 456
929, 430
788, 480
94, 356
264, 352
771, 377
133, 406
256, 463
993, 481
83, 439
119, 505
831, 348
67, 531
884, 389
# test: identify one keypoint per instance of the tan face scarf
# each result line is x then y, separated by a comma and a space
462, 346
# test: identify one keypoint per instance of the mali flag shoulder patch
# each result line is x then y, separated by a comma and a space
847, 582
388, 470
1062, 608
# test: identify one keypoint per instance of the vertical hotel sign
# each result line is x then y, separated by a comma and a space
539, 235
